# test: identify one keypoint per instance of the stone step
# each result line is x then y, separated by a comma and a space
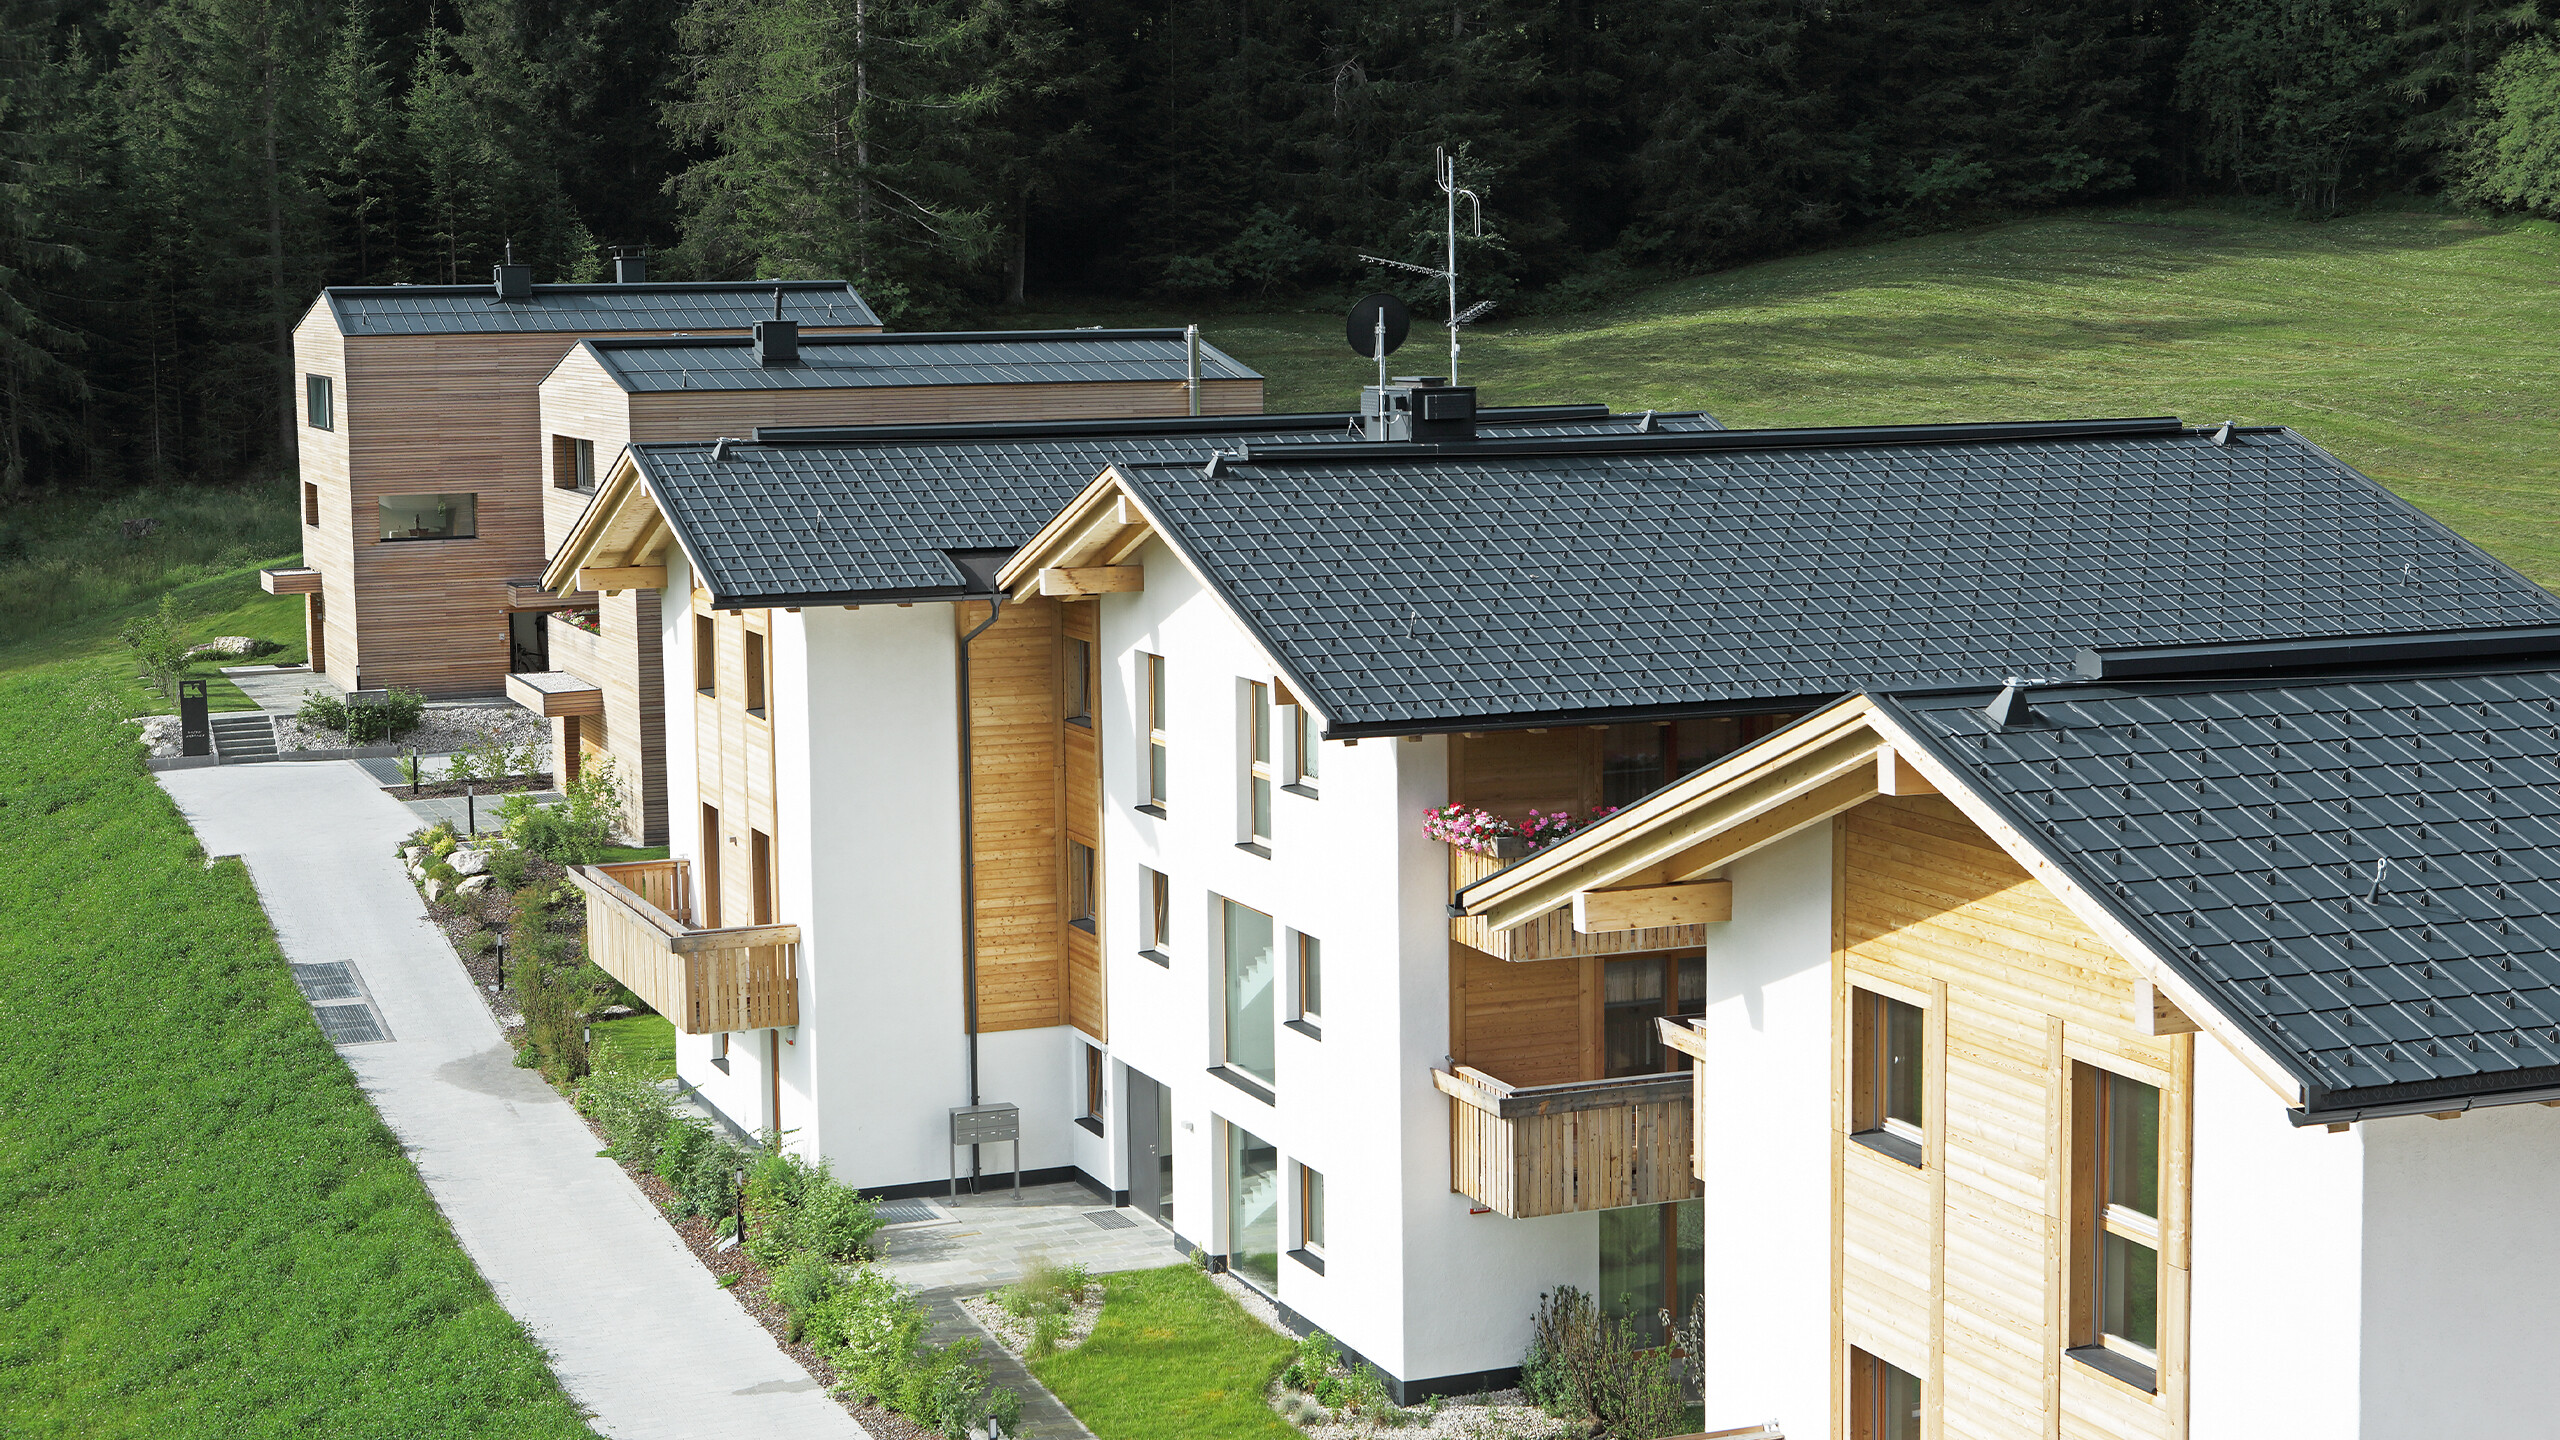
244, 735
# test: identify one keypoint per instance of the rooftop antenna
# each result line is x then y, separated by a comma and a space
777, 302
1444, 172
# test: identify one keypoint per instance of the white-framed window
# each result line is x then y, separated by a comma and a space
1889, 1076
1157, 755
1258, 782
1253, 1208
320, 402
1249, 983
1155, 915
2116, 1184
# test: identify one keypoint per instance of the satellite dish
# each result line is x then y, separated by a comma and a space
1362, 326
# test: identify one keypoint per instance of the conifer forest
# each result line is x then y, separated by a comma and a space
178, 177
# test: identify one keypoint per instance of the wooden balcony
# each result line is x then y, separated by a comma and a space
705, 981
1551, 936
1524, 1151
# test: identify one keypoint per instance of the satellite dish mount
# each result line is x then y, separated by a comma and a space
1376, 328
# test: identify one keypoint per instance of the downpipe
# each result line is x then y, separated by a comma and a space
969, 871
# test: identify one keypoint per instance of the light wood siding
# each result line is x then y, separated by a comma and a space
1017, 776
703, 981
1511, 772
622, 660
733, 751
578, 400
330, 546
1082, 797
1955, 1270
1561, 1150
709, 414
1551, 936
1535, 1024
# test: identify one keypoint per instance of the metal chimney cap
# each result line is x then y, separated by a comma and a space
2010, 708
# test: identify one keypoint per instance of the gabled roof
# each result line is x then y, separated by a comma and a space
2364, 871
867, 513
362, 310
1414, 588
827, 362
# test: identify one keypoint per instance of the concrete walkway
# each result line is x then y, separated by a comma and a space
636, 1329
278, 689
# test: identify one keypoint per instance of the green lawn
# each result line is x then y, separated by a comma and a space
645, 1043
204, 1228
1173, 1358
2419, 345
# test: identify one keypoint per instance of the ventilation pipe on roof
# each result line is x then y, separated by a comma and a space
511, 280
630, 264
777, 339
720, 450
1191, 363
2010, 707
2223, 435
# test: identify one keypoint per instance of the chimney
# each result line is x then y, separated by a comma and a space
630, 265
777, 339
1418, 407
511, 280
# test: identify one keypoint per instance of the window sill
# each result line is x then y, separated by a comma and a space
1155, 810
1089, 1123
1081, 722
1084, 925
758, 714
2117, 1367
1157, 957
1254, 848
1308, 1258
1243, 1082
1307, 1028
421, 539
720, 1063
1892, 1146
1310, 792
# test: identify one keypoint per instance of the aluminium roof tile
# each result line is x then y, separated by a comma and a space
373, 310
974, 358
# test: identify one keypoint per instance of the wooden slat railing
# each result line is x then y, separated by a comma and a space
704, 981
1551, 936
663, 883
1528, 1150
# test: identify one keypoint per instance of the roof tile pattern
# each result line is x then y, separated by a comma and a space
591, 309
811, 518
1434, 591
830, 364
2365, 872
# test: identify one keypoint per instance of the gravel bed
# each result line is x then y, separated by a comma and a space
160, 735
1015, 1334
444, 731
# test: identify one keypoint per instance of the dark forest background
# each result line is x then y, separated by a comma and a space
178, 177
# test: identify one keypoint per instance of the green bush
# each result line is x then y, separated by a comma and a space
323, 711
158, 641
803, 1286
872, 1329
630, 1109
1584, 1365
797, 1207
702, 1165
507, 867
394, 715
576, 831
1313, 1364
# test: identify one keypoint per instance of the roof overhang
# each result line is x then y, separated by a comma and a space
1829, 762
620, 539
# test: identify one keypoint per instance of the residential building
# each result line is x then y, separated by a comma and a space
595, 671
422, 470
1194, 714
2173, 1047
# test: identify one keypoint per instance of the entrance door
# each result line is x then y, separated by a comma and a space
1150, 1141
529, 641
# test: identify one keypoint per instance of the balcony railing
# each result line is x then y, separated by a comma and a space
1551, 936
706, 981
1528, 1150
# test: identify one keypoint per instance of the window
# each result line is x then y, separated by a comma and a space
755, 673
710, 867
310, 503
320, 402
1076, 694
1310, 978
1154, 665
1887, 1044
1250, 1036
760, 859
1093, 1089
1301, 732
720, 1052
1080, 887
1258, 763
706, 655
1884, 1403
2116, 1267
431, 517
1652, 1259
1310, 1210
1155, 914
573, 463
1253, 1208
1638, 992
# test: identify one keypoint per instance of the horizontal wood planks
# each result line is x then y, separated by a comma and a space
579, 401
708, 414
1523, 1023
1512, 772
1552, 936
1956, 1269
733, 755
700, 983
1081, 798
1017, 777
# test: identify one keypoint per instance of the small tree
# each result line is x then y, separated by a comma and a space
159, 643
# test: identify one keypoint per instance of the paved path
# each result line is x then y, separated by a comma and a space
636, 1330
279, 689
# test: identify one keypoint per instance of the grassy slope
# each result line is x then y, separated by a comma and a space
204, 1229
1173, 1358
2418, 345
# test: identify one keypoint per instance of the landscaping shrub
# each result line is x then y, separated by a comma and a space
630, 1109
702, 1164
1583, 1365
554, 987
872, 1329
395, 714
803, 1286
158, 641
323, 711
576, 831
793, 1206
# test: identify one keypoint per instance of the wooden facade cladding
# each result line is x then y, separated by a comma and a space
1961, 1269
733, 756
703, 981
1551, 936
1082, 747
1525, 1151
1017, 779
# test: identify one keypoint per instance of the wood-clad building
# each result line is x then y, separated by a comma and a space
422, 471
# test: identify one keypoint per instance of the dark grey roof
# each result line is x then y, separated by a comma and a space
1413, 591
709, 305
844, 520
1053, 357
2363, 872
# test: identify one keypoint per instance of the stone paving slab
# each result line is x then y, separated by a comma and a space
991, 1238
635, 1328
279, 689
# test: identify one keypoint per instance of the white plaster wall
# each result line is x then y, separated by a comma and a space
1021, 1067
2277, 1218
1766, 1080
2461, 1282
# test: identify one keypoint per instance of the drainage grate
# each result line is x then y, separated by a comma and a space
334, 980
349, 1024
1110, 1220
913, 1211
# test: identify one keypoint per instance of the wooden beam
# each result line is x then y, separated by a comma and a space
1895, 775
1773, 825
614, 580
1680, 1036
1647, 907
1093, 580
2155, 1013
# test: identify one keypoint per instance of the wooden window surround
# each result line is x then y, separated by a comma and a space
1081, 904
1076, 683
1257, 771
710, 867
1888, 1075
1884, 1402
756, 672
1091, 1119
573, 463
320, 402
2115, 1203
1309, 1204
760, 857
1159, 747
1300, 733
1155, 915
706, 655
1306, 985
310, 503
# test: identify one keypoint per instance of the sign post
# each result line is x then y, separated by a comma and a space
195, 719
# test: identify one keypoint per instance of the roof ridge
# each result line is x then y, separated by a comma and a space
1676, 441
